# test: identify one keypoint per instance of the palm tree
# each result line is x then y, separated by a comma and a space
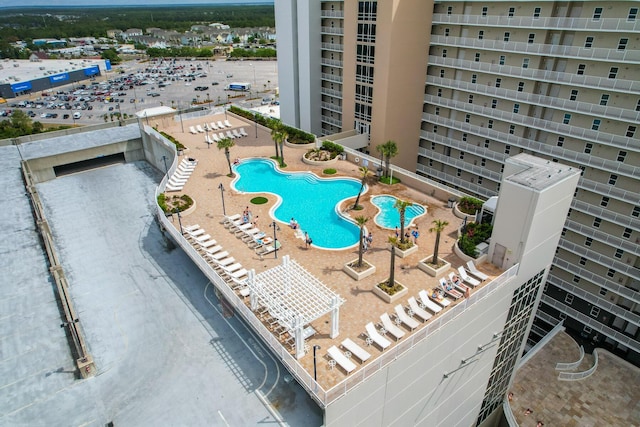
401, 206
364, 171
282, 135
276, 134
226, 143
388, 150
438, 227
392, 268
361, 221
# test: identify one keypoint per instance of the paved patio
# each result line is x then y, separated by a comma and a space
361, 305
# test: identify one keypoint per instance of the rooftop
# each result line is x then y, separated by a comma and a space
539, 173
14, 70
361, 305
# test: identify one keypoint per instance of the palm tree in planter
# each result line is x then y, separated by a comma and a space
364, 171
401, 206
388, 150
361, 221
226, 143
390, 286
278, 135
438, 227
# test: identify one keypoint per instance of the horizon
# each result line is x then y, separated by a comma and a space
26, 4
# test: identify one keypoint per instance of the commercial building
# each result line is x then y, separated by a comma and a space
461, 87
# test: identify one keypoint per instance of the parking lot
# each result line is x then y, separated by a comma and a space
135, 85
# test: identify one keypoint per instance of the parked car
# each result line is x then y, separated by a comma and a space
66, 116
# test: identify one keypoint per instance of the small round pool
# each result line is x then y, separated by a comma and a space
389, 217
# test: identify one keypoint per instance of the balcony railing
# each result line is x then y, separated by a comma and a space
461, 145
609, 191
332, 107
331, 62
331, 121
597, 211
332, 30
573, 52
333, 46
547, 23
528, 121
332, 77
460, 164
332, 13
555, 77
603, 260
600, 111
331, 92
608, 239
459, 183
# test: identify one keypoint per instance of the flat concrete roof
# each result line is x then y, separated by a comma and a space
539, 173
21, 70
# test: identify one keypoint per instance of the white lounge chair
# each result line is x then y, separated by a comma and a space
176, 179
189, 228
458, 284
375, 336
474, 271
265, 250
213, 250
468, 279
449, 289
220, 125
185, 167
215, 138
236, 133
218, 255
227, 124
170, 187
203, 238
208, 140
427, 303
188, 163
409, 322
230, 135
237, 274
229, 219
419, 311
356, 350
180, 174
438, 298
231, 268
192, 130
199, 129
240, 227
213, 126
208, 244
341, 359
196, 232
390, 327
219, 264
243, 132
249, 235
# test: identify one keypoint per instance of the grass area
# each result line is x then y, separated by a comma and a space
259, 200
329, 171
387, 180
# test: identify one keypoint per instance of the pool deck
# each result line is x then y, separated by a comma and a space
361, 305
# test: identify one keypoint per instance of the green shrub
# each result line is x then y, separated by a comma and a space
473, 235
177, 143
259, 200
170, 204
469, 205
336, 149
294, 136
467, 246
329, 171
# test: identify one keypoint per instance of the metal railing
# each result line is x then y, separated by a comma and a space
474, 188
331, 62
325, 13
331, 92
333, 107
603, 260
559, 327
333, 46
560, 366
555, 77
461, 164
574, 52
616, 242
332, 30
332, 77
575, 376
609, 190
543, 22
331, 121
460, 145
597, 211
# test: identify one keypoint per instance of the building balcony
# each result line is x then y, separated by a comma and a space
594, 299
430, 172
332, 107
592, 323
630, 56
332, 30
630, 197
331, 121
613, 217
332, 77
555, 77
603, 282
543, 23
461, 145
596, 110
594, 233
598, 137
331, 62
331, 92
603, 260
460, 164
332, 14
333, 47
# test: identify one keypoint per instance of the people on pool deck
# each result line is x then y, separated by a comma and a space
415, 233
293, 224
307, 240
455, 279
236, 161
397, 233
369, 238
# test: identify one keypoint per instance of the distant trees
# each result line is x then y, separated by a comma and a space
111, 55
253, 53
179, 52
19, 124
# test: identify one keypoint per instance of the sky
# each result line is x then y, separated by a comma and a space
58, 3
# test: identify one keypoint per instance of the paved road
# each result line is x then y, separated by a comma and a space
165, 355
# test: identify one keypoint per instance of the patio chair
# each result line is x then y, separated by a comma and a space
436, 296
202, 239
227, 124
170, 187
213, 126
427, 303
342, 360
449, 289
402, 315
196, 232
188, 163
181, 175
243, 132
208, 140
220, 125
215, 138
230, 218
208, 244
268, 249
468, 279
356, 350
458, 283
177, 181
213, 250
230, 135
374, 337
249, 235
390, 327
188, 228
185, 168
418, 311
192, 130
236, 133
240, 228
237, 274
199, 129
218, 255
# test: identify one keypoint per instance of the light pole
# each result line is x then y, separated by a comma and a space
254, 73
221, 187
166, 169
179, 220
225, 107
315, 372
255, 119
275, 239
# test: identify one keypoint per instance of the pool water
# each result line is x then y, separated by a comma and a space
312, 201
389, 217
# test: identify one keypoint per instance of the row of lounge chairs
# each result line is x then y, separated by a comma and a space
231, 134
210, 126
251, 235
181, 175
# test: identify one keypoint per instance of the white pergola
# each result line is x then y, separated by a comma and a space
294, 297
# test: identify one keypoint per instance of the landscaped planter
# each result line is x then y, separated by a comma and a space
424, 265
305, 146
390, 299
358, 275
403, 254
322, 163
458, 213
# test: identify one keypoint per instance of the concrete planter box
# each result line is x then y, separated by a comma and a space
424, 265
459, 214
355, 275
388, 298
305, 146
403, 254
322, 163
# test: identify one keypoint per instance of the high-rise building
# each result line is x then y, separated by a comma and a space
462, 86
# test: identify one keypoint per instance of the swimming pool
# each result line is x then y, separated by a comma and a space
389, 217
312, 201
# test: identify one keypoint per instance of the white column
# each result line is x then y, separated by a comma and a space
335, 317
253, 297
299, 339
